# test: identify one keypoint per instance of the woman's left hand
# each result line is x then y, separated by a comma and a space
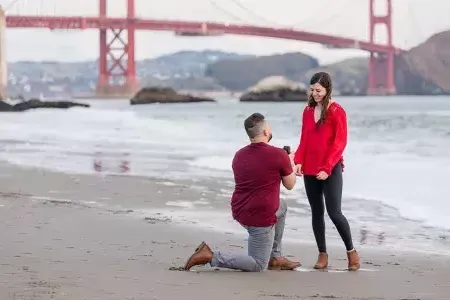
322, 175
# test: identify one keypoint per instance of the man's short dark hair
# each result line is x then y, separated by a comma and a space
254, 125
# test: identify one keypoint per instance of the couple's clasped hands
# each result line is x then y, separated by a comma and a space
298, 169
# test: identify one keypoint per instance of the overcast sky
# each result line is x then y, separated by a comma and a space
414, 21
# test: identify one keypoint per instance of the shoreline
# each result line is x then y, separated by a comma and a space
58, 249
204, 204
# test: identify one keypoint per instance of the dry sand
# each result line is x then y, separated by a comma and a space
55, 250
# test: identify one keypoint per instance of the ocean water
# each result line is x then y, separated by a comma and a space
395, 181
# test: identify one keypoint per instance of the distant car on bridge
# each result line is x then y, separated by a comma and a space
203, 31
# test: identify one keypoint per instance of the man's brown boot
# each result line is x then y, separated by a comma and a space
353, 260
201, 256
322, 261
282, 263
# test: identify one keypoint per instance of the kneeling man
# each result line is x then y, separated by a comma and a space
259, 169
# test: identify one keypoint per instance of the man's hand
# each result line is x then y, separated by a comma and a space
298, 170
322, 175
289, 180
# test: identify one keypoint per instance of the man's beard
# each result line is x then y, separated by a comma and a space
270, 138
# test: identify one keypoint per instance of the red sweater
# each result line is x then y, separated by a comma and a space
321, 147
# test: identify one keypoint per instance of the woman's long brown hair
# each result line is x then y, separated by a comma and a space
324, 79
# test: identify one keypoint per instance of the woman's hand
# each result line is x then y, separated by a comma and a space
322, 175
298, 170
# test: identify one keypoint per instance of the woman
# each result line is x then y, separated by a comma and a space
319, 159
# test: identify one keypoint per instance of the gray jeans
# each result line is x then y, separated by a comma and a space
263, 244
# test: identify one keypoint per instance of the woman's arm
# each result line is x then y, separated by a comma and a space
334, 153
300, 153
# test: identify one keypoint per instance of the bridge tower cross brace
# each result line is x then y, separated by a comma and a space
381, 65
117, 65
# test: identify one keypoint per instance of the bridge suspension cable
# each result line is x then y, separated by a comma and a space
312, 20
417, 30
223, 10
253, 13
10, 4
309, 22
22, 6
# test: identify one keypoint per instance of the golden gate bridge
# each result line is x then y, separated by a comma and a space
117, 63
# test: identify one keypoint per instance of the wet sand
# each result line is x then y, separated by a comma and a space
53, 248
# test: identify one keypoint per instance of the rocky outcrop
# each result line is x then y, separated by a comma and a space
275, 89
36, 103
150, 95
239, 74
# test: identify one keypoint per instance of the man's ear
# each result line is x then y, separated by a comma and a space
265, 132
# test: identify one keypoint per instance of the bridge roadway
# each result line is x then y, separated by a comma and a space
83, 23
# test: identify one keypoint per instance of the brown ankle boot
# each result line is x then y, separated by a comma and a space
201, 256
322, 261
353, 260
282, 263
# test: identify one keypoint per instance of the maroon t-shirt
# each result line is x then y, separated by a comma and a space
258, 168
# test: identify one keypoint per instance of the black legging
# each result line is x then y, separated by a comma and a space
332, 189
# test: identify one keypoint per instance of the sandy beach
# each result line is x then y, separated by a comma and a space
57, 243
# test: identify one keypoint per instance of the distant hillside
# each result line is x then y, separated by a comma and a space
180, 70
184, 63
240, 74
179, 64
349, 76
425, 69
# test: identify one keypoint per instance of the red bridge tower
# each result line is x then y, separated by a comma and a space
381, 65
117, 65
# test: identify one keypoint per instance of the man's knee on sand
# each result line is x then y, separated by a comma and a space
260, 266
